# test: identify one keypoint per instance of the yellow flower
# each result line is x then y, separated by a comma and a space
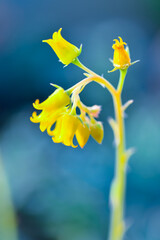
121, 58
82, 134
96, 129
65, 51
52, 108
65, 129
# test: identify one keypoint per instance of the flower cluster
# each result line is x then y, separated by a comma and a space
60, 110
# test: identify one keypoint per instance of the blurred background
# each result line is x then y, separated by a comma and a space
60, 193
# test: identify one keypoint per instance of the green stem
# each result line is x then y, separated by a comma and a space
79, 64
117, 193
121, 79
79, 85
95, 77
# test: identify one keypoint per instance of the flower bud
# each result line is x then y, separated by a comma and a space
82, 134
94, 110
96, 129
65, 51
121, 59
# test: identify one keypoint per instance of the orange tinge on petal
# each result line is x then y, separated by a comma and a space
121, 59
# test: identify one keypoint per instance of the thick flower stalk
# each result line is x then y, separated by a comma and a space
60, 118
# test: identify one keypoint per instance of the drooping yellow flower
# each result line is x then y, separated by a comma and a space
65, 51
82, 134
96, 128
65, 129
52, 108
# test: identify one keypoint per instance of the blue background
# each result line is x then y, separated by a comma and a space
60, 193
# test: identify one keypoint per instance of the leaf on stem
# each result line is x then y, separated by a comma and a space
126, 105
115, 129
129, 153
135, 62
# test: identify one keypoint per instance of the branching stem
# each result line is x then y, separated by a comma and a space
117, 193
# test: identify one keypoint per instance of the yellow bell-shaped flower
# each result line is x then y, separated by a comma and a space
121, 59
65, 129
82, 134
96, 128
52, 108
65, 51
57, 130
